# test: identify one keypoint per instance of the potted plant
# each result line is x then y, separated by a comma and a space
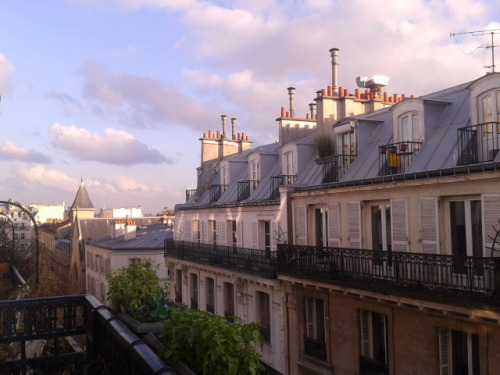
136, 294
324, 145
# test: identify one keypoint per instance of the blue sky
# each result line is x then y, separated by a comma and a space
118, 92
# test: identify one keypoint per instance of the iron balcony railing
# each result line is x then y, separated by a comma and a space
478, 143
277, 181
74, 331
395, 158
252, 261
245, 188
216, 191
476, 276
335, 166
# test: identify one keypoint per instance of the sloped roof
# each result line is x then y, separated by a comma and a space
82, 200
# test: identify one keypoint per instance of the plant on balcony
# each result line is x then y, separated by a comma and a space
210, 344
324, 145
136, 291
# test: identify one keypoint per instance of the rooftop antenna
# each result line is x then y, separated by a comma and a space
492, 45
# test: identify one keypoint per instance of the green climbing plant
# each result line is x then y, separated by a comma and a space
210, 344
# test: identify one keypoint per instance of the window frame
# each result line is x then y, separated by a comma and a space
315, 342
448, 352
264, 315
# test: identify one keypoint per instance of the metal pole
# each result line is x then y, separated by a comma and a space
37, 245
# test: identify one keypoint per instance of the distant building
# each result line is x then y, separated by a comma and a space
117, 213
48, 213
126, 243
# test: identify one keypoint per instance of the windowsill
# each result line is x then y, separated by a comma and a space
315, 365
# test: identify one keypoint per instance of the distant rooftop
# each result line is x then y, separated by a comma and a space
147, 238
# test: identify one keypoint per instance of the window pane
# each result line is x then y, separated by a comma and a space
487, 110
460, 353
457, 229
476, 224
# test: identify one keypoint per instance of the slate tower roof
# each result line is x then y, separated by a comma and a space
82, 200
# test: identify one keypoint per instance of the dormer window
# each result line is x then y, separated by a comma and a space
224, 176
290, 163
490, 107
409, 129
254, 170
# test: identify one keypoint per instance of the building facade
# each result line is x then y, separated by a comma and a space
365, 241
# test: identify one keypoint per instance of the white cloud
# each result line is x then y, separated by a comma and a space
39, 175
115, 147
9, 151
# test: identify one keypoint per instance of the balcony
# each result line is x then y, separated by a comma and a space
216, 191
476, 277
277, 181
335, 166
76, 330
245, 188
252, 261
395, 158
478, 143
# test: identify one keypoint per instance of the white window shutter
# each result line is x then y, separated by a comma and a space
239, 234
429, 225
444, 352
274, 235
334, 239
354, 224
301, 225
491, 214
399, 218
221, 233
255, 242
364, 328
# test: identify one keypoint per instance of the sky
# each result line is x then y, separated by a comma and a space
119, 92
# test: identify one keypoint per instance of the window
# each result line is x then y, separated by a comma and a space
232, 233
490, 107
224, 177
381, 230
210, 294
409, 128
212, 232
290, 163
373, 339
489, 115
254, 171
178, 286
465, 232
458, 353
193, 281
228, 290
321, 221
264, 316
314, 321
264, 235
346, 143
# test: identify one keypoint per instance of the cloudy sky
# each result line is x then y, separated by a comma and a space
118, 92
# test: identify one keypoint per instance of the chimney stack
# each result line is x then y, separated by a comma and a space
334, 52
223, 117
291, 93
233, 127
312, 106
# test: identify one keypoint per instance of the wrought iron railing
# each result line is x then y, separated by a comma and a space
245, 188
277, 181
315, 348
73, 331
216, 192
251, 261
478, 143
395, 158
475, 276
335, 166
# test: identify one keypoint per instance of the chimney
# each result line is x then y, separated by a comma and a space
312, 107
291, 93
334, 52
223, 117
233, 127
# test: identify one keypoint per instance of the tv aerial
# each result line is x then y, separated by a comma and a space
491, 45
